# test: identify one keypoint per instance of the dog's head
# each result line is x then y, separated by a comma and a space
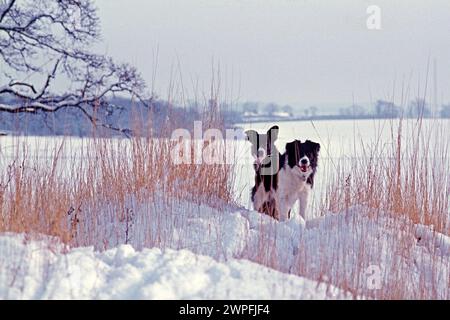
263, 147
302, 157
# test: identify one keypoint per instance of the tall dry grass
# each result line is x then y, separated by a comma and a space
399, 184
84, 190
407, 177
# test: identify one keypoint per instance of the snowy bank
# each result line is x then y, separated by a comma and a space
44, 270
240, 255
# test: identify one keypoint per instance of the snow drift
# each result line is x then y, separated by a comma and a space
42, 270
346, 255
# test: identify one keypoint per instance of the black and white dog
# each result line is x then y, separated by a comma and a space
281, 180
266, 165
298, 166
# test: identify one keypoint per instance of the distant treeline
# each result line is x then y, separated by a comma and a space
386, 109
380, 109
159, 118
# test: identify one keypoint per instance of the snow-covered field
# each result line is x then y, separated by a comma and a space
210, 267
40, 270
181, 249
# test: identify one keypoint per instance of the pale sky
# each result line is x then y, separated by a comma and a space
300, 52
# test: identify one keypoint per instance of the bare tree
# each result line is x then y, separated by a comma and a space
313, 111
306, 112
387, 109
271, 108
288, 109
250, 108
418, 108
445, 111
46, 63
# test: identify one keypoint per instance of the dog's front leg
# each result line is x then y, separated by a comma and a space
303, 200
259, 198
285, 205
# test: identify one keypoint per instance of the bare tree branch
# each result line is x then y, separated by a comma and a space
61, 32
24, 84
8, 7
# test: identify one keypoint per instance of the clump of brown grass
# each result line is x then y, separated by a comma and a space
34, 199
407, 178
74, 188
398, 184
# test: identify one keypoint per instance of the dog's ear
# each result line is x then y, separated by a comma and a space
252, 136
314, 146
293, 147
291, 154
272, 133
289, 147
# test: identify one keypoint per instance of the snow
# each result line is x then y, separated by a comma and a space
226, 252
209, 254
51, 271
432, 240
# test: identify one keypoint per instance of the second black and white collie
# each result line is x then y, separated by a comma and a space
266, 165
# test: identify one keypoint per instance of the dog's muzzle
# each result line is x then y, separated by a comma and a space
304, 164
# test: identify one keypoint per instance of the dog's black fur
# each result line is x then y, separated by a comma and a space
266, 156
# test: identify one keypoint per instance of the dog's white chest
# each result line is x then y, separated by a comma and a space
291, 183
292, 187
